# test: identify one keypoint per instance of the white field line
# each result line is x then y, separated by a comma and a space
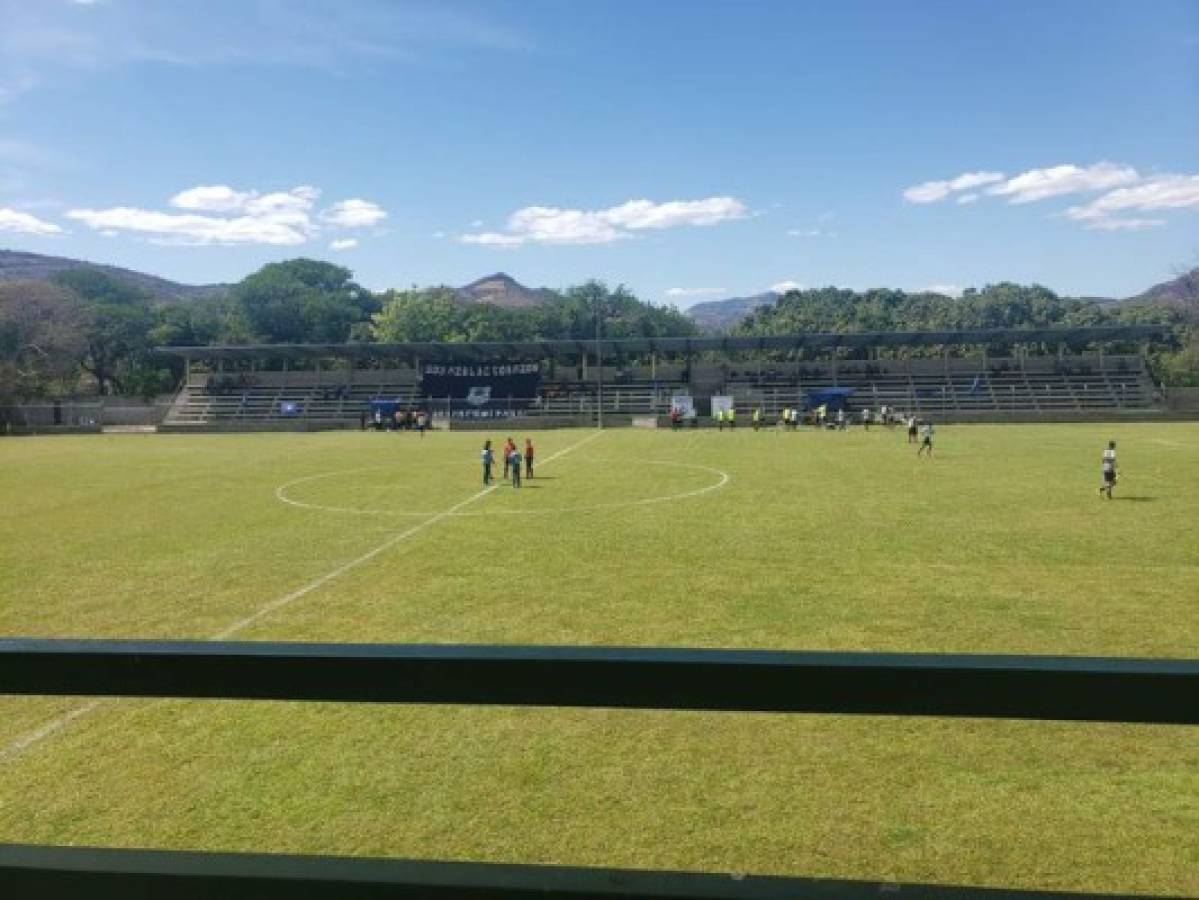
24, 742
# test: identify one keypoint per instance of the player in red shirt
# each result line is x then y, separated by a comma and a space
509, 449
528, 458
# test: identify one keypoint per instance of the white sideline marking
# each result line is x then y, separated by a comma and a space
28, 740
23, 743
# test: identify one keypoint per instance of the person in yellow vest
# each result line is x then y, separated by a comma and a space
757, 417
732, 415
719, 415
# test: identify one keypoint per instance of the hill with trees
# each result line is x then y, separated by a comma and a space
94, 328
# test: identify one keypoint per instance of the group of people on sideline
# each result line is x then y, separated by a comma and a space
401, 420
512, 458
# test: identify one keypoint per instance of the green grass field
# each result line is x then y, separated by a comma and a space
798, 541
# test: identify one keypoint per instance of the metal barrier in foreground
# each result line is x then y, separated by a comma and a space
1023, 687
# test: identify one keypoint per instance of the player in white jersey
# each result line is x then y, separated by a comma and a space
1109, 470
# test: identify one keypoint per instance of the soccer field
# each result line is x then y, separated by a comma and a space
808, 541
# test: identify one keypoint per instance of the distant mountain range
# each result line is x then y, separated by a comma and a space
719, 315
1182, 292
503, 290
17, 266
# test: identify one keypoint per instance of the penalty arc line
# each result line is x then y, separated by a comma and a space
23, 743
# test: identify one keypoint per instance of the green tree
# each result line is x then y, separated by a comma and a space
42, 336
118, 320
414, 315
303, 301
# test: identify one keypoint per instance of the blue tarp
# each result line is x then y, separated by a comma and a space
385, 408
833, 397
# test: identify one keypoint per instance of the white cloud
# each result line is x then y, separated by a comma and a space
211, 198
1038, 184
949, 290
967, 199
39, 38
196, 230
438, 235
219, 214
638, 214
696, 292
932, 191
552, 225
783, 287
1122, 224
343, 244
15, 221
354, 213
1155, 193
493, 239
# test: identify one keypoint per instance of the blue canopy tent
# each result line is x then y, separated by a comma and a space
385, 408
833, 397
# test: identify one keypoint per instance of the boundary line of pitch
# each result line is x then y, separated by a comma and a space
19, 745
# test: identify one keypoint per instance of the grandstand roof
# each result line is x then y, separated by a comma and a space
575, 348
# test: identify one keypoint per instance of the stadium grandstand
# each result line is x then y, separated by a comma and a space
959, 375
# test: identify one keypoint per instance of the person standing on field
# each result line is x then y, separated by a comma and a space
509, 446
757, 417
514, 462
1109, 470
911, 429
528, 458
926, 440
487, 458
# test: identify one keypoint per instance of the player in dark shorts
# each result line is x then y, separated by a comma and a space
514, 463
528, 458
911, 429
926, 441
1109, 470
487, 458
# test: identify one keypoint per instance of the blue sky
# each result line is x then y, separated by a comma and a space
690, 150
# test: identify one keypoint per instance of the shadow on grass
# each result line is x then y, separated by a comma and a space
1136, 499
